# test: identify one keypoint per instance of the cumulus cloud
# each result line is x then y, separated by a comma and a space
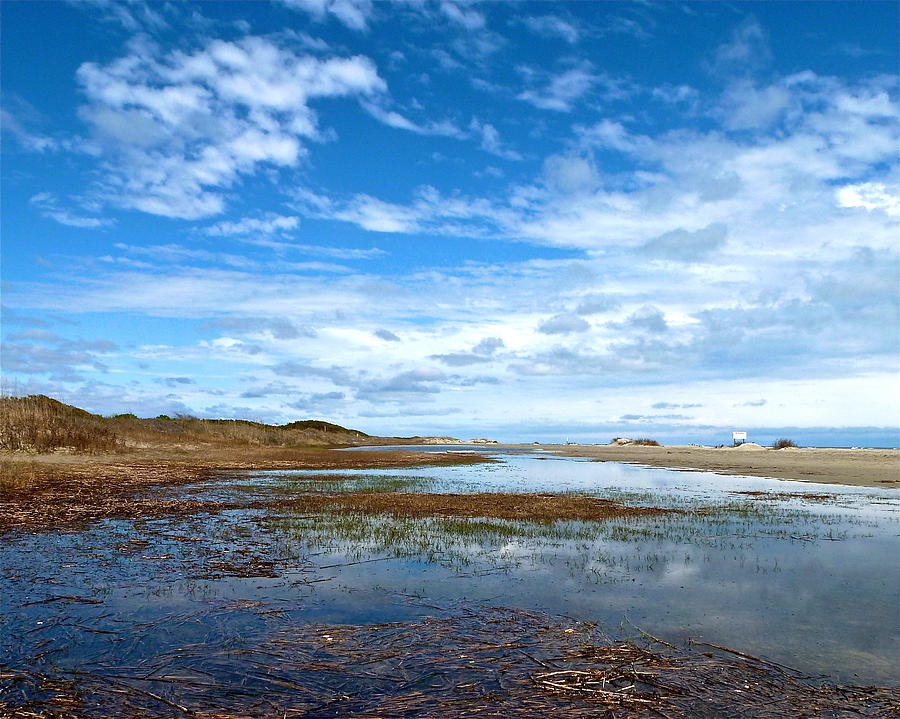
317, 401
416, 381
179, 128
870, 196
386, 335
482, 352
646, 319
279, 327
563, 324
488, 346
746, 106
837, 132
460, 359
597, 303
337, 375
40, 351
684, 246
571, 174
175, 382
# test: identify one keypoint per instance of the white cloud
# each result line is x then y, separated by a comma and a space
571, 174
267, 225
871, 196
746, 51
36, 143
133, 16
394, 119
355, 14
562, 91
48, 204
553, 26
490, 140
178, 129
751, 107
564, 324
464, 16
377, 216
683, 246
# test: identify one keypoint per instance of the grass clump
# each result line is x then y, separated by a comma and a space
783, 443
644, 442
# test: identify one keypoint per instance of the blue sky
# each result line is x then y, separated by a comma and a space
519, 220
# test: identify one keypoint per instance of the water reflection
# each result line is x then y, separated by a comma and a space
811, 582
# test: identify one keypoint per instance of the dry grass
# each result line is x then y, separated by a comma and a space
17, 476
41, 424
496, 505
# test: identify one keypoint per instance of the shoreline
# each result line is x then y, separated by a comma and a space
41, 491
852, 467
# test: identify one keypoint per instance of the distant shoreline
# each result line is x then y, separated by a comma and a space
855, 467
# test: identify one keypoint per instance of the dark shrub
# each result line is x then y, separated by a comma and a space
782, 443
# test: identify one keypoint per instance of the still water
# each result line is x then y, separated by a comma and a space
803, 574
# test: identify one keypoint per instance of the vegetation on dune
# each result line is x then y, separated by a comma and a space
37, 423
627, 441
783, 443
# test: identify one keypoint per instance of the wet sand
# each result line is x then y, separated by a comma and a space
857, 467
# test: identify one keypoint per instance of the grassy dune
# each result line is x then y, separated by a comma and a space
40, 424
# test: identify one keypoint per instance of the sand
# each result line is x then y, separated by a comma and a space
857, 467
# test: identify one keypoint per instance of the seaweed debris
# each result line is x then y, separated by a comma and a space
472, 661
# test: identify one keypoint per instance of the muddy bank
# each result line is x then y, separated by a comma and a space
47, 491
857, 467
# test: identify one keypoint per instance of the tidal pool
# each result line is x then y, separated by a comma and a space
802, 574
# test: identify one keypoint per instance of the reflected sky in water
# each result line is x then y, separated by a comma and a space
810, 580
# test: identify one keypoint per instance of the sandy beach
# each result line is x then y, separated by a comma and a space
857, 467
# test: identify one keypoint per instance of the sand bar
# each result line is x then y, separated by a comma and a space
857, 467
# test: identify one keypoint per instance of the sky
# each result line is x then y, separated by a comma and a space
524, 221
